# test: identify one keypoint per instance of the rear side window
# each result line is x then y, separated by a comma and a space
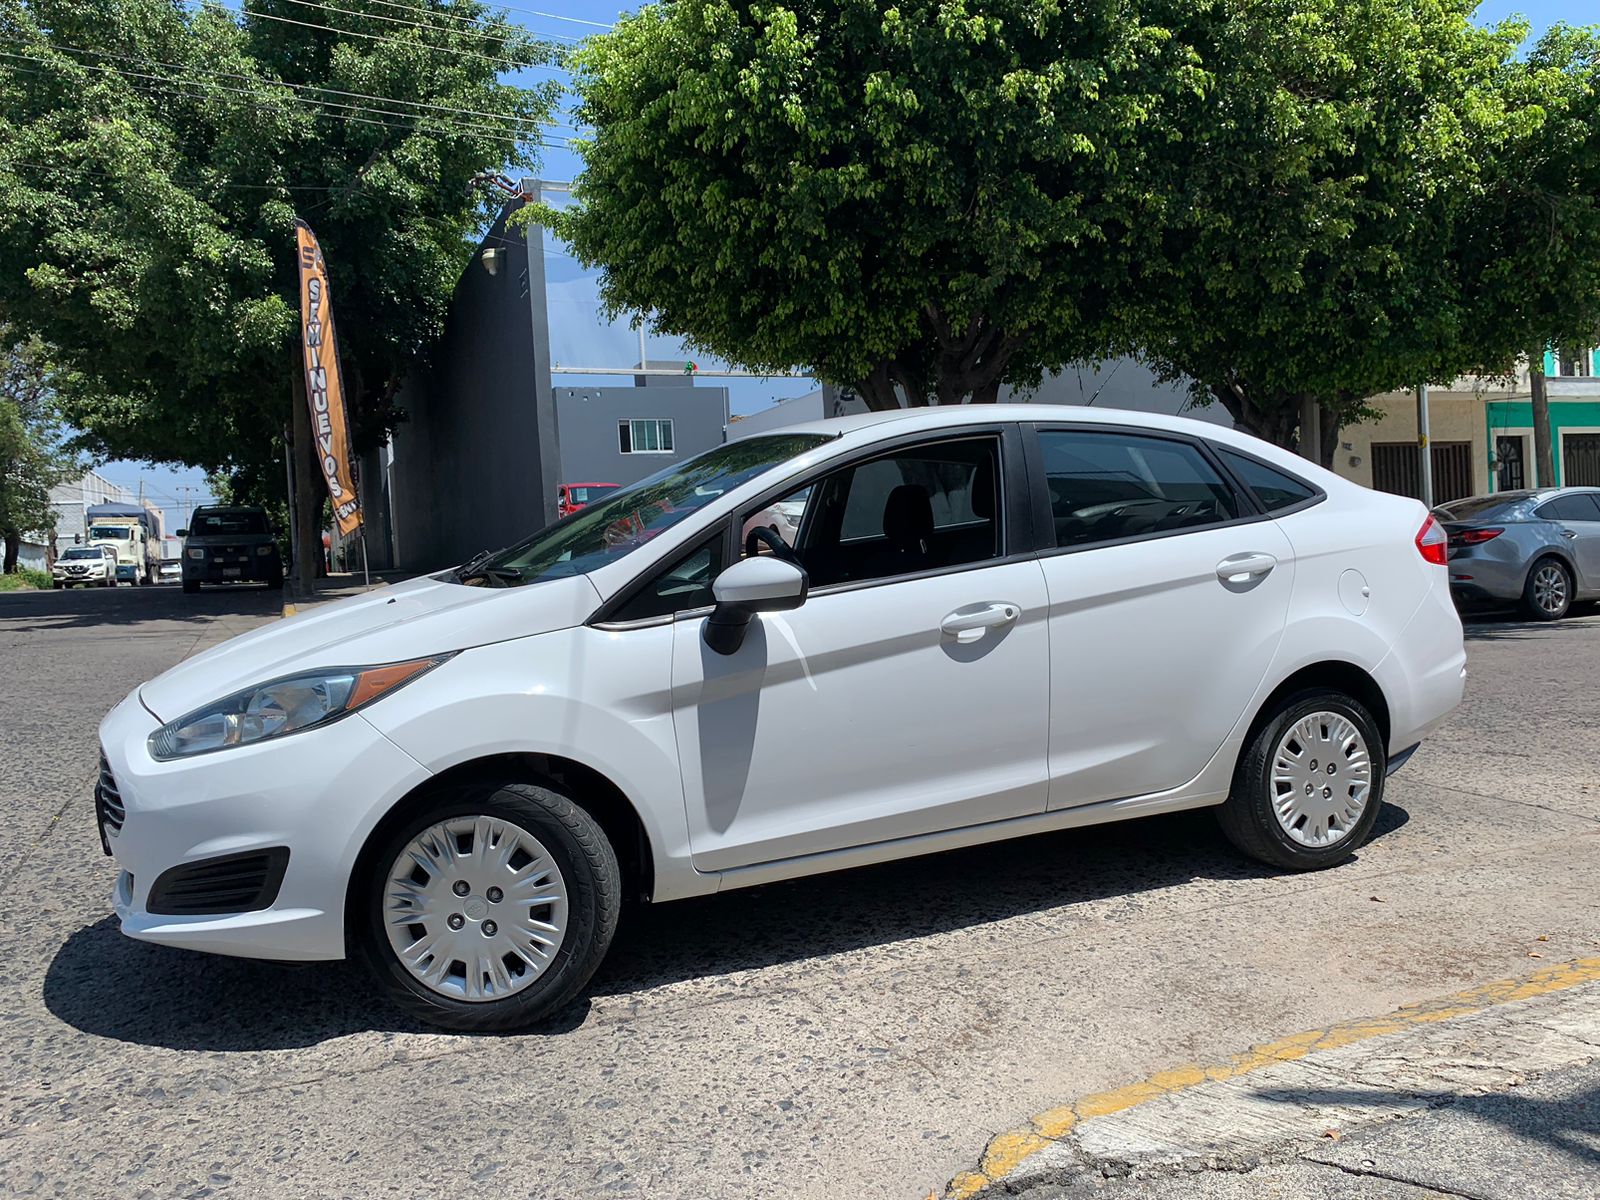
1108, 486
1277, 490
1578, 506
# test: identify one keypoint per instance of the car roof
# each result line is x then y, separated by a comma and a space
228, 508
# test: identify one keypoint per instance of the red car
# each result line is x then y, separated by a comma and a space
571, 497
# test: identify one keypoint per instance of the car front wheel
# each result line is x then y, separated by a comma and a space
1308, 787
492, 907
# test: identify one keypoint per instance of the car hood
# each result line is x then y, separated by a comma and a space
389, 624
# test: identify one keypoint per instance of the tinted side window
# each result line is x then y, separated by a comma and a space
919, 509
1275, 489
1105, 486
684, 584
1578, 506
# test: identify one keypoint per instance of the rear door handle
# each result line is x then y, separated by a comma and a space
969, 624
1242, 568
1569, 533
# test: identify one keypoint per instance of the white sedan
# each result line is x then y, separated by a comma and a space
990, 621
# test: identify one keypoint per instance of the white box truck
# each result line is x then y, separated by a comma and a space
133, 534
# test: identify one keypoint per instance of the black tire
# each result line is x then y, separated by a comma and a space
1248, 818
588, 866
275, 581
1530, 590
191, 586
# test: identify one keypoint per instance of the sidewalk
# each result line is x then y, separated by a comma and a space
1491, 1094
337, 586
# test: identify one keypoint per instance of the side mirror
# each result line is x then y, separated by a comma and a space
183, 533
764, 584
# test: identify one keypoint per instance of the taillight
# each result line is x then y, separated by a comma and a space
1432, 542
1474, 537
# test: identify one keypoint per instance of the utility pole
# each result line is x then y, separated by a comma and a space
1424, 448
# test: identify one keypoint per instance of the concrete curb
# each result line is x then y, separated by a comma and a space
1305, 1086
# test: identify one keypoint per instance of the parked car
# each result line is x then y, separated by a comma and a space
171, 571
230, 544
994, 621
86, 566
1540, 549
573, 497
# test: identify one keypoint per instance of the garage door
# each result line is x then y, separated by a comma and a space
1580, 459
1397, 468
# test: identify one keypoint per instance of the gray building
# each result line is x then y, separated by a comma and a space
622, 434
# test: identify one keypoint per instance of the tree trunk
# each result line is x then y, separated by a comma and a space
1543, 451
1275, 420
13, 540
308, 494
1331, 424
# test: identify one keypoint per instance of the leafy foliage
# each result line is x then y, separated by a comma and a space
934, 197
32, 457
156, 157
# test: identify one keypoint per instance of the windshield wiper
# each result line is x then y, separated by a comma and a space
478, 568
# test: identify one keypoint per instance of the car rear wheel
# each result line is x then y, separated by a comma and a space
1308, 787
1548, 593
191, 585
492, 907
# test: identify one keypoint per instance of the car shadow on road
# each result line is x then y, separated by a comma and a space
1510, 625
111, 986
100, 608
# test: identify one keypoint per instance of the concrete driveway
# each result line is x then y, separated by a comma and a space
861, 1034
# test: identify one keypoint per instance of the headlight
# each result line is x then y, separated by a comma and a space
197, 552
282, 706
263, 549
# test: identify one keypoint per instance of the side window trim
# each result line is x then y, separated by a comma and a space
605, 617
1250, 509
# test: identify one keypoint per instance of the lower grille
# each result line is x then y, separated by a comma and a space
108, 810
233, 883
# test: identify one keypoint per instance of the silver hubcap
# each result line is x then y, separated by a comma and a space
475, 908
1321, 779
1550, 588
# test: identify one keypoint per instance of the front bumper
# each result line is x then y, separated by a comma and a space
75, 577
316, 794
254, 569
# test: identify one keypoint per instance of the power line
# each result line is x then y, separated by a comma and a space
476, 30
260, 97
312, 87
498, 59
411, 8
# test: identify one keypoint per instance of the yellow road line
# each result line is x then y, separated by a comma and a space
1009, 1150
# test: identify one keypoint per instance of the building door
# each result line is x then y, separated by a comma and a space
1396, 468
1510, 473
1580, 459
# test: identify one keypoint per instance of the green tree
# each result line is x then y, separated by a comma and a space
33, 458
1319, 188
156, 157
922, 201
1531, 239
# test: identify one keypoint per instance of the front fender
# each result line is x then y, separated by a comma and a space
603, 699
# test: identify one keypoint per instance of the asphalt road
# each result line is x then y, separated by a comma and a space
860, 1034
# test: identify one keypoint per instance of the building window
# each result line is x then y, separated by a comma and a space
644, 437
1573, 364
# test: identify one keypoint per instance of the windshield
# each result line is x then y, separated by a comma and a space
625, 519
120, 533
214, 523
84, 552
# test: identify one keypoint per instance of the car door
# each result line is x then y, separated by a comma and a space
1577, 516
907, 695
1168, 596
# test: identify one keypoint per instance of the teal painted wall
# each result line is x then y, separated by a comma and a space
1564, 414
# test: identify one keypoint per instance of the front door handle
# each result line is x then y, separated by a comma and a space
969, 624
1569, 533
1245, 568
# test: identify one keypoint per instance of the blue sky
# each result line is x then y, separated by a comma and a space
579, 336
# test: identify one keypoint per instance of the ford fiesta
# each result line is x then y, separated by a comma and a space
984, 622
